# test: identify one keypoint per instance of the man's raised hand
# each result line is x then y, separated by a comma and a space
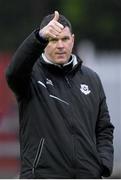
53, 28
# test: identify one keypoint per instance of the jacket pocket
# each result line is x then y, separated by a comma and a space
38, 155
96, 153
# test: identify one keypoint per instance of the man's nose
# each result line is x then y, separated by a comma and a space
60, 44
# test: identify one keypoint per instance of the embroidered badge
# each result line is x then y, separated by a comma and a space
85, 89
48, 81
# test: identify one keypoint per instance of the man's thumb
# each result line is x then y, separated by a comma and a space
56, 16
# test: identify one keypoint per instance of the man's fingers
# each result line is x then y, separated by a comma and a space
53, 28
58, 27
56, 16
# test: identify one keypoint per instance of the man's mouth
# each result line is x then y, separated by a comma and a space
60, 53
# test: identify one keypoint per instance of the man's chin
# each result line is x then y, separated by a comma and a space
61, 61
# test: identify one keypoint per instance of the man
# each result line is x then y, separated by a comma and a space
65, 128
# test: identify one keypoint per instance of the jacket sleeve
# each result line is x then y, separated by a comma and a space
18, 73
104, 135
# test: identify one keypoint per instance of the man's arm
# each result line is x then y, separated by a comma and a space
104, 136
19, 71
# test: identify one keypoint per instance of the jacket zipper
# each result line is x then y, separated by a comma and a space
38, 155
67, 81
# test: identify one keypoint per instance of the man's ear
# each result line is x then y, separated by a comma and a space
73, 36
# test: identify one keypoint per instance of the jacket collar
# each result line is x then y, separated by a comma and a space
73, 61
72, 66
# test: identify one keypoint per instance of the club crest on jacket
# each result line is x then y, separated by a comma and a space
85, 89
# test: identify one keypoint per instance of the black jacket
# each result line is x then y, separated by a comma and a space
65, 128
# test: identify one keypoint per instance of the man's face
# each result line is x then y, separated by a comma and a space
59, 49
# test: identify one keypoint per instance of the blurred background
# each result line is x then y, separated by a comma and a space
97, 29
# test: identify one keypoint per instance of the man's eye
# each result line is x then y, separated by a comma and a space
65, 39
53, 40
